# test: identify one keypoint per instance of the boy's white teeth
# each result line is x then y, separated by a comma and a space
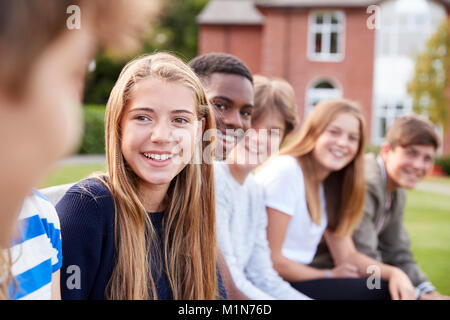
158, 157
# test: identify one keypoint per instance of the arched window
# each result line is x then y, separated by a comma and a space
319, 91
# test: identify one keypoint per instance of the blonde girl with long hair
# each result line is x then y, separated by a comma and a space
146, 229
315, 187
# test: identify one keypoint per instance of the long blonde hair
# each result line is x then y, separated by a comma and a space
6, 276
344, 189
189, 237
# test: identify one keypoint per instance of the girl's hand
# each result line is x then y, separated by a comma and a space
400, 287
345, 270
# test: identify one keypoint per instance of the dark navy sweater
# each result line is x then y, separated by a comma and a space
87, 213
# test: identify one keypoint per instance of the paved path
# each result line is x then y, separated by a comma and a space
433, 187
83, 159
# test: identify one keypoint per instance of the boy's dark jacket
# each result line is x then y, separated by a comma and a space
391, 245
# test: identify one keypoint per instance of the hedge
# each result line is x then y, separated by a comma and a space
444, 163
93, 141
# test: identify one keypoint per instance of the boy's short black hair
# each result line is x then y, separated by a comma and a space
207, 64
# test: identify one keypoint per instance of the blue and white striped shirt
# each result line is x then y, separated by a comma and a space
36, 251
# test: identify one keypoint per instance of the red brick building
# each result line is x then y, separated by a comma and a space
324, 48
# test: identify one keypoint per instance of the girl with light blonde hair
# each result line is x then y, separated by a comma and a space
146, 229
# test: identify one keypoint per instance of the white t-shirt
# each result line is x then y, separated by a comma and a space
284, 190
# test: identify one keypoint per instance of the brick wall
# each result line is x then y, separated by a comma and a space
242, 41
279, 48
285, 37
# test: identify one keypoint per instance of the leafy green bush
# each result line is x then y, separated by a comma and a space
100, 82
444, 163
93, 141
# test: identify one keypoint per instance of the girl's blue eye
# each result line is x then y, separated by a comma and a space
142, 118
181, 121
334, 132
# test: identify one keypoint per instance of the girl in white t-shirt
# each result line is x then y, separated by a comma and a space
315, 187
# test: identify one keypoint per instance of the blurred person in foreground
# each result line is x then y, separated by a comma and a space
45, 49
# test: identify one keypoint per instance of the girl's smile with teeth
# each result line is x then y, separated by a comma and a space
338, 154
158, 157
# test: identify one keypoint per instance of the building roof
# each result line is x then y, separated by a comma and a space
315, 3
230, 12
245, 12
325, 3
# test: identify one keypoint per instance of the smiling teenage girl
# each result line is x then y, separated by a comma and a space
315, 187
147, 228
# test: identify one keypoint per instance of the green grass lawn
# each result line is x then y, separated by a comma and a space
441, 181
72, 173
427, 220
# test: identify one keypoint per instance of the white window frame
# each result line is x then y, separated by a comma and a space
326, 28
322, 94
389, 111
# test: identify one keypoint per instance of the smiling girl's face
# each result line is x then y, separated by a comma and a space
338, 145
159, 130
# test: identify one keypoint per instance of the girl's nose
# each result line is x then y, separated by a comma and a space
161, 133
343, 140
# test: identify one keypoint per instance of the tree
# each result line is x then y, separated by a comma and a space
430, 87
100, 82
175, 31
